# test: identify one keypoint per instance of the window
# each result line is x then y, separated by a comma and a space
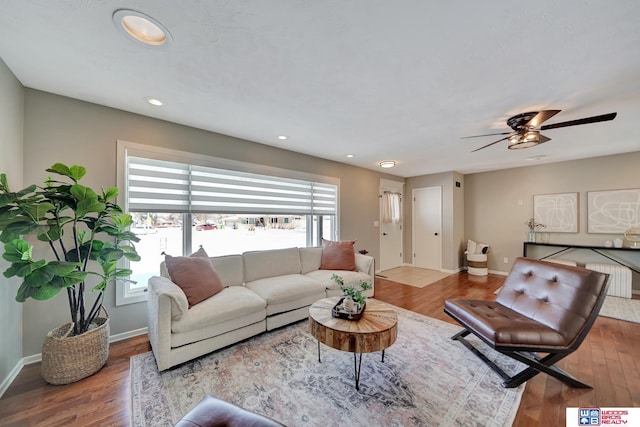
181, 201
159, 232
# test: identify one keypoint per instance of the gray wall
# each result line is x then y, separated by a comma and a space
59, 129
11, 121
493, 214
452, 216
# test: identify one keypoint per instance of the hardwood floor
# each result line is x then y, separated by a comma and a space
608, 360
100, 400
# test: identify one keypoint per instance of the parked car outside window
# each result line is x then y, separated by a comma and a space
206, 227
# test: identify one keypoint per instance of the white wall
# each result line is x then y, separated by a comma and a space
11, 127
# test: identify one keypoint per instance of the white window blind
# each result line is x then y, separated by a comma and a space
163, 186
157, 186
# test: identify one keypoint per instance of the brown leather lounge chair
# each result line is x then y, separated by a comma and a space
214, 412
541, 315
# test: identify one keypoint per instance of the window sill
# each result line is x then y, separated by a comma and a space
126, 296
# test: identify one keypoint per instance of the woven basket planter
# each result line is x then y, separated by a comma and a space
67, 358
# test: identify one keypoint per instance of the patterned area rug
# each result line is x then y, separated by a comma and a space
426, 380
621, 308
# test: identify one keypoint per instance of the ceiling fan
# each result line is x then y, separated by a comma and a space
526, 128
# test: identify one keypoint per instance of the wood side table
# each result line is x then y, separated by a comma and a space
376, 330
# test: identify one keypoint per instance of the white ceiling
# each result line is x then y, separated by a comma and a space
400, 80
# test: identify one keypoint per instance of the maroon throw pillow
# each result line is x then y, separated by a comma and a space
338, 255
195, 275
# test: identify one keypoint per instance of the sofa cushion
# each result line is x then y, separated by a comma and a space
310, 258
195, 275
229, 269
271, 263
287, 292
338, 255
234, 307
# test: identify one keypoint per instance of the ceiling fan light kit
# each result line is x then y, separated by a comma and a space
527, 126
529, 139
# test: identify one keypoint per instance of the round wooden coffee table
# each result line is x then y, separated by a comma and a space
376, 330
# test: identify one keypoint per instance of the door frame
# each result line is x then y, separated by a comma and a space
413, 224
396, 187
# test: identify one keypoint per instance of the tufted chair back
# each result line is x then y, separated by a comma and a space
561, 297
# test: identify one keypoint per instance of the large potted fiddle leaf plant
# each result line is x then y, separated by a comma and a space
87, 235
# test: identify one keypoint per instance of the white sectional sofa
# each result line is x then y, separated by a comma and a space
263, 290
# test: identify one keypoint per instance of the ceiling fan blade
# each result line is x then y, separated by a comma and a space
542, 117
487, 134
543, 139
586, 120
489, 145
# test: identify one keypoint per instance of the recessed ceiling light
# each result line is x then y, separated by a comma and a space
350, 156
154, 101
283, 137
387, 164
141, 27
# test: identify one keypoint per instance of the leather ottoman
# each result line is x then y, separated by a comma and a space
213, 412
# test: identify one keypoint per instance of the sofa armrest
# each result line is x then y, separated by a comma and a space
365, 263
165, 287
166, 301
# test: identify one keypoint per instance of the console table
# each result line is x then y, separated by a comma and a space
597, 249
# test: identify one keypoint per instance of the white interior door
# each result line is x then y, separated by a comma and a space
390, 242
427, 227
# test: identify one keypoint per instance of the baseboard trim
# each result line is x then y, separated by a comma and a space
129, 334
11, 377
32, 359
500, 273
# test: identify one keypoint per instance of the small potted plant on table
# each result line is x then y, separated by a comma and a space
354, 301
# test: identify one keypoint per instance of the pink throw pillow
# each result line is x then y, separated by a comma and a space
195, 275
338, 255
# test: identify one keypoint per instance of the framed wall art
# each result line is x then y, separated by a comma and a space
613, 211
557, 212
